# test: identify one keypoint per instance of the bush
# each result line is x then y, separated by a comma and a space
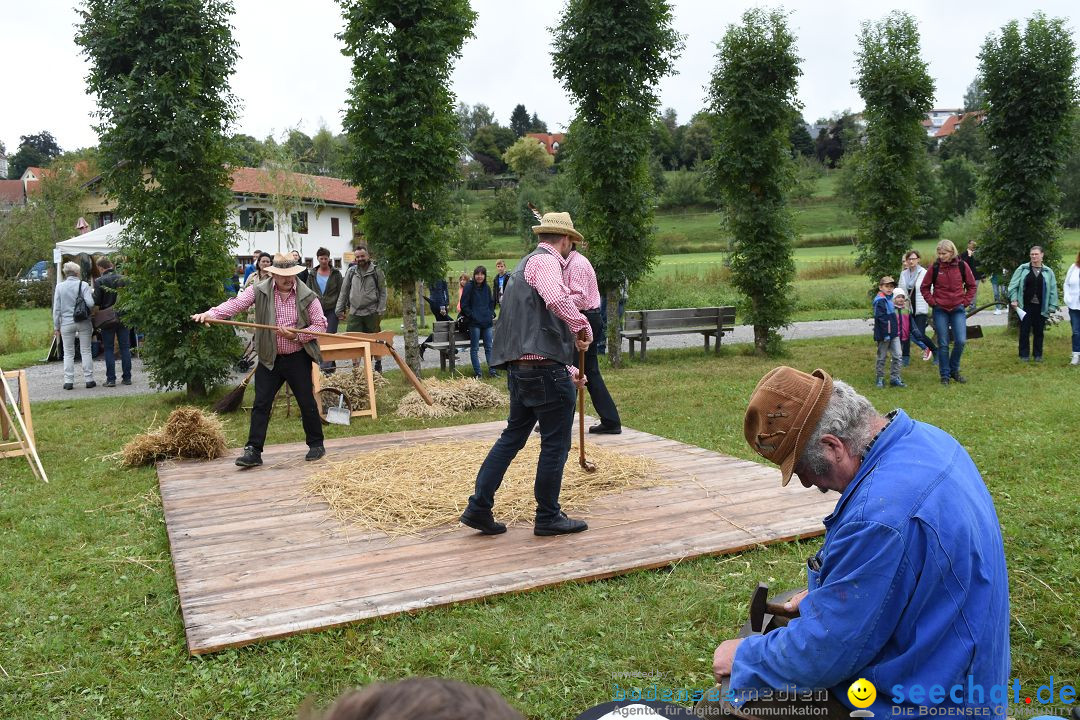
830, 268
9, 294
684, 188
38, 294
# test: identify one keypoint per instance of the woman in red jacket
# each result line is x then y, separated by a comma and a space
949, 287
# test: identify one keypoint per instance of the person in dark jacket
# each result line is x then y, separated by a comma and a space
949, 287
887, 333
478, 304
325, 282
106, 291
968, 256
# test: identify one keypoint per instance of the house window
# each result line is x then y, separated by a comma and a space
256, 220
299, 223
104, 219
335, 227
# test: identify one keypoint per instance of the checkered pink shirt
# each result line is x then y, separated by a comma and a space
545, 274
579, 276
285, 307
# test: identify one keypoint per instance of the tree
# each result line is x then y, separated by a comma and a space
1069, 180
612, 83
519, 120
833, 141
160, 70
246, 150
299, 147
503, 209
404, 138
975, 96
898, 91
697, 141
528, 158
959, 177
468, 240
801, 142
1025, 73
968, 141
34, 151
536, 125
752, 96
327, 151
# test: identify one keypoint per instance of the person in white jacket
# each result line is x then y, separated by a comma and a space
911, 278
1072, 301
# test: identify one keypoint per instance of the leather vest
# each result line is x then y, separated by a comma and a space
526, 325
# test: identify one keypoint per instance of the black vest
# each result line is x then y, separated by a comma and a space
527, 326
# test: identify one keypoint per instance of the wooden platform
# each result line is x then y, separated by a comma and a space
254, 560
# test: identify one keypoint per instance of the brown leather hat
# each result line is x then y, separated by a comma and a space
783, 412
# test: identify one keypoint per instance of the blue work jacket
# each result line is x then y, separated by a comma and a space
909, 587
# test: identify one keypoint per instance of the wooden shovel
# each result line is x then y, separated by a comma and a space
409, 374
585, 464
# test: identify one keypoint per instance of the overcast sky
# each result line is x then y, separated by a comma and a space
292, 73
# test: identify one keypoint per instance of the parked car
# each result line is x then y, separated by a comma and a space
40, 271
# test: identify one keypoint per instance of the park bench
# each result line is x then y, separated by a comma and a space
447, 341
641, 325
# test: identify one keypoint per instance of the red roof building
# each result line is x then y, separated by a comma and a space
550, 141
260, 181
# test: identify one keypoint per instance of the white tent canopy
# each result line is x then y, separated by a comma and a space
96, 242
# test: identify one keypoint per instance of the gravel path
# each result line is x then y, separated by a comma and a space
46, 380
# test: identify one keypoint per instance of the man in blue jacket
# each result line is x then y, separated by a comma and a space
910, 586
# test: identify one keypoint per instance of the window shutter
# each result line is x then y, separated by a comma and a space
335, 228
245, 218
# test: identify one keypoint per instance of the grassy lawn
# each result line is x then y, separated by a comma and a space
91, 628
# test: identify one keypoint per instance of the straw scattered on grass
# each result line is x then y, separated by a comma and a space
353, 384
188, 433
406, 490
451, 398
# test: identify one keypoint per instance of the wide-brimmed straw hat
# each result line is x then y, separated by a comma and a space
557, 223
784, 410
285, 265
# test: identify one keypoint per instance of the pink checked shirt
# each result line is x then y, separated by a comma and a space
285, 307
580, 278
545, 274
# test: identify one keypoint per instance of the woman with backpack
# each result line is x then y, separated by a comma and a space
949, 287
73, 299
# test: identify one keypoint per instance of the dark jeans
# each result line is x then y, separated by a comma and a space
949, 365
1074, 318
331, 327
918, 335
475, 335
598, 392
537, 394
295, 369
122, 335
365, 324
1031, 331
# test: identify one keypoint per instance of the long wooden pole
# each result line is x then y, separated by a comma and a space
416, 383
585, 464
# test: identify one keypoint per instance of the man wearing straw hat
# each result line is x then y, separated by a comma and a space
909, 589
285, 355
535, 344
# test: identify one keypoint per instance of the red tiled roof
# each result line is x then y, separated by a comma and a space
35, 170
952, 124
11, 192
259, 181
548, 139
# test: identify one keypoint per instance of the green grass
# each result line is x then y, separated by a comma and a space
91, 628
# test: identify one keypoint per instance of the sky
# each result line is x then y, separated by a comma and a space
291, 73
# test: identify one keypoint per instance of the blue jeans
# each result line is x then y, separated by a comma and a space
542, 394
1001, 293
475, 333
1074, 318
949, 364
122, 336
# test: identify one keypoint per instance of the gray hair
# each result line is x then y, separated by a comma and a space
847, 416
71, 269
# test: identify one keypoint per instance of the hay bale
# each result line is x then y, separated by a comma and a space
405, 490
353, 384
451, 397
188, 433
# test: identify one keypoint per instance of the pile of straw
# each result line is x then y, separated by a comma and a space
451, 398
188, 433
353, 384
406, 490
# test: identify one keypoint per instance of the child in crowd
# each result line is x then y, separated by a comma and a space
903, 319
887, 333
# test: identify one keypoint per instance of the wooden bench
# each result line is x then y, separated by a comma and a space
640, 325
447, 342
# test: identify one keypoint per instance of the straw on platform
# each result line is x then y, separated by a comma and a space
406, 490
451, 398
353, 384
188, 433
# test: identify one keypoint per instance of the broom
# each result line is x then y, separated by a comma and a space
231, 402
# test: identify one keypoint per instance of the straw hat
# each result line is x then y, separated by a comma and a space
285, 265
783, 412
557, 223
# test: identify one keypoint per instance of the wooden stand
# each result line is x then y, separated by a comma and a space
347, 348
23, 444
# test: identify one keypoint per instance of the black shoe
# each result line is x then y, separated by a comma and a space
126, 382
485, 523
602, 429
69, 386
250, 458
945, 382
959, 378
110, 383
91, 384
315, 452
562, 526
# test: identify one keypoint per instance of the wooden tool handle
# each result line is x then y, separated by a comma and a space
581, 402
409, 374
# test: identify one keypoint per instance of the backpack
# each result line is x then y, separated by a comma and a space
80, 313
963, 275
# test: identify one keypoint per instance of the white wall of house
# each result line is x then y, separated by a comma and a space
283, 239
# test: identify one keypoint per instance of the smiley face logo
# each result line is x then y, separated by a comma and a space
862, 693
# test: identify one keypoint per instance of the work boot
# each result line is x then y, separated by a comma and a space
484, 522
562, 526
250, 458
315, 452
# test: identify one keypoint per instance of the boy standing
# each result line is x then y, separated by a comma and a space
887, 333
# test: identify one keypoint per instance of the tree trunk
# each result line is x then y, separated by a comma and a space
614, 342
761, 339
408, 318
196, 389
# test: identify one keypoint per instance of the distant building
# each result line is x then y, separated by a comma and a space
3, 165
938, 117
550, 141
